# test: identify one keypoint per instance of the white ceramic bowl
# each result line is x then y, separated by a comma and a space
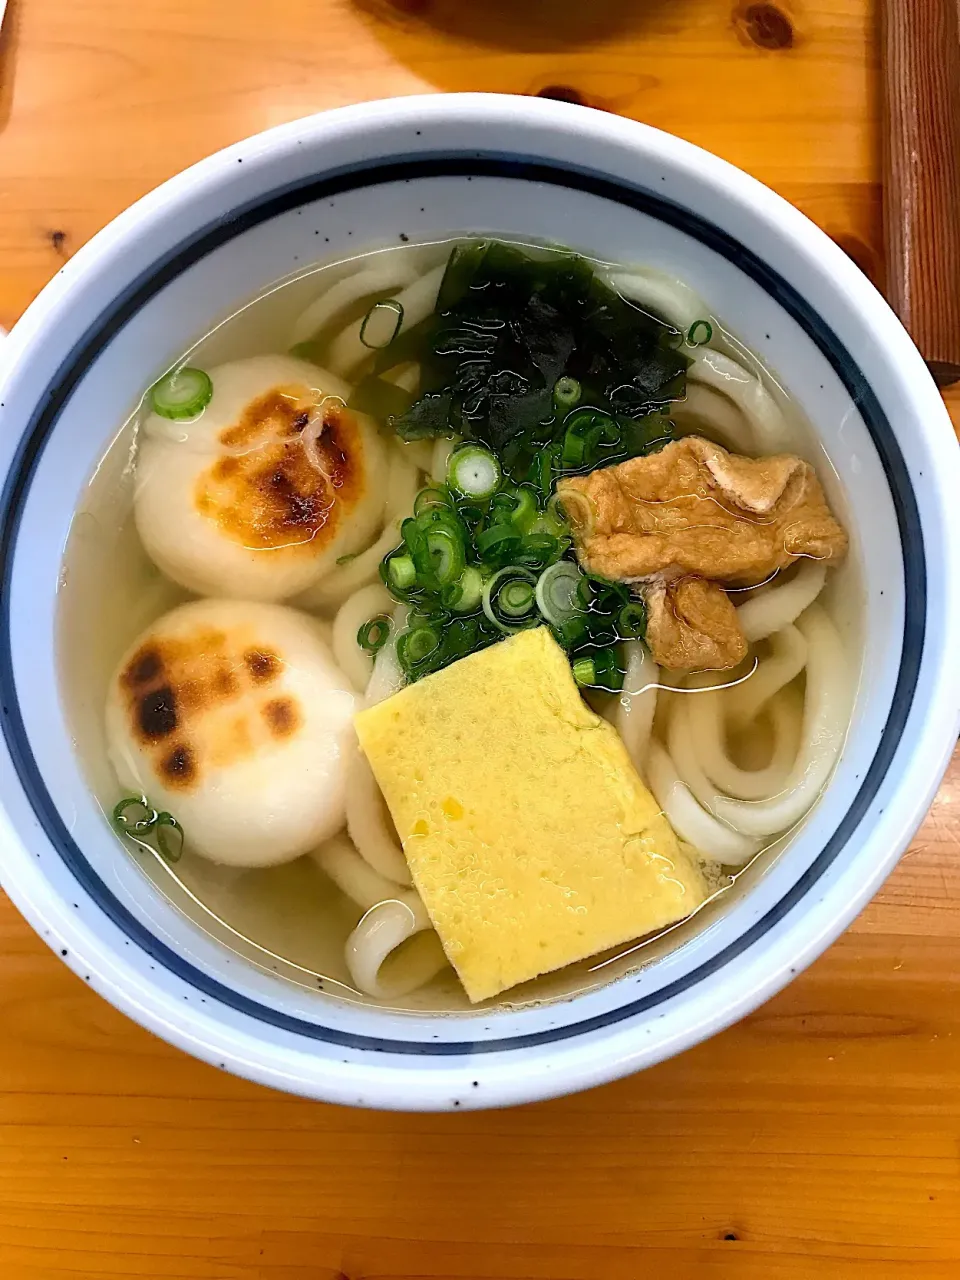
168, 268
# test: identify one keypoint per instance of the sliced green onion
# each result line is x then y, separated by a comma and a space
381, 324
373, 635
632, 621
516, 599
609, 670
474, 471
566, 393
574, 449
537, 550
584, 672
524, 509
139, 826
509, 599
698, 328
169, 837
465, 595
556, 513
415, 538
416, 645
492, 541
572, 633
558, 592
446, 553
431, 499
401, 573
601, 670
181, 394
460, 638
541, 471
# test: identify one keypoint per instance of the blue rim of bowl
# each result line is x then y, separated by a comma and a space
470, 164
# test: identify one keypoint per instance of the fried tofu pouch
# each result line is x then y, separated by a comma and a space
689, 519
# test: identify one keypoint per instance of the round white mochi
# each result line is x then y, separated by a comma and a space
234, 716
230, 502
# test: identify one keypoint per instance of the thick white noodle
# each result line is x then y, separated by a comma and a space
777, 606
670, 299
370, 826
387, 676
360, 882
352, 614
825, 710
417, 452
383, 929
442, 450
768, 427
707, 412
407, 378
348, 352
637, 705
714, 841
392, 916
391, 273
363, 569
788, 657
706, 727
684, 756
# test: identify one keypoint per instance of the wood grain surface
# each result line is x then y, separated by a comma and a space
920, 49
819, 1139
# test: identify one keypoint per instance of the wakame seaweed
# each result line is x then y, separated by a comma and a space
508, 325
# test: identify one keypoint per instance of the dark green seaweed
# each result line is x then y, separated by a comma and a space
509, 325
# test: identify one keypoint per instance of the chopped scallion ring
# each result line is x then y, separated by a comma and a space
584, 672
699, 327
632, 621
558, 593
446, 554
509, 599
600, 670
474, 472
416, 645
431, 499
465, 595
401, 573
373, 635
184, 393
139, 826
566, 393
169, 837
524, 509
381, 324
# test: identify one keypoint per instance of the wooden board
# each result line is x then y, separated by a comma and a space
817, 1140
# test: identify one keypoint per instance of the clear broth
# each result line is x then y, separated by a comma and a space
110, 591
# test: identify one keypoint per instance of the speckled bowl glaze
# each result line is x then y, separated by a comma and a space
181, 259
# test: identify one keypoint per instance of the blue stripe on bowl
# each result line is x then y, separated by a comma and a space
527, 169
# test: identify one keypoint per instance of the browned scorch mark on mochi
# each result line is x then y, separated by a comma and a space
269, 494
178, 770
263, 665
157, 713
181, 698
282, 717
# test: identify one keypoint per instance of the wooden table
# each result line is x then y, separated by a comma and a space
821, 1137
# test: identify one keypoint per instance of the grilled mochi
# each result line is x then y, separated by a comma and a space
262, 492
233, 716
